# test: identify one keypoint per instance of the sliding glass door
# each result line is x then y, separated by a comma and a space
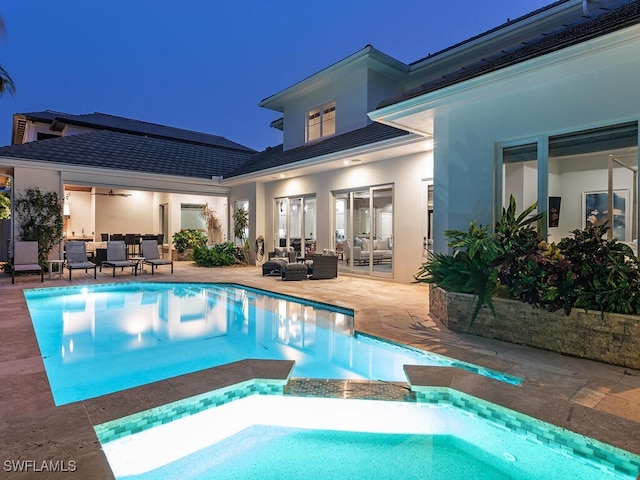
296, 224
364, 230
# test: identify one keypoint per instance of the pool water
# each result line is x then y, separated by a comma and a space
448, 435
105, 338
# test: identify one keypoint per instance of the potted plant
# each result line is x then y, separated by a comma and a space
185, 240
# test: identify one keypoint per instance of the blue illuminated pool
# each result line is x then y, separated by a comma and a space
251, 431
100, 339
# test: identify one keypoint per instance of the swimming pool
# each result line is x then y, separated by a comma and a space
101, 339
236, 433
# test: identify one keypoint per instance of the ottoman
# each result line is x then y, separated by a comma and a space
273, 267
294, 271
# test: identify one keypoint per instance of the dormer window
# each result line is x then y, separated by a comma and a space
321, 121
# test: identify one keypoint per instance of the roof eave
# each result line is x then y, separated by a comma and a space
274, 102
322, 159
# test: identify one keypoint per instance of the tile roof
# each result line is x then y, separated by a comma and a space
489, 32
122, 151
585, 30
105, 121
276, 156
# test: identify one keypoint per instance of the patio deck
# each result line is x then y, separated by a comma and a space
595, 399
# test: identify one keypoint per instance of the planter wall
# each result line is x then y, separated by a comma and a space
181, 257
614, 339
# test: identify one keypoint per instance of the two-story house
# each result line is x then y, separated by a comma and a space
378, 156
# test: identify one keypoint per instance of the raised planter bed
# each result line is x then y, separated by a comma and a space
614, 339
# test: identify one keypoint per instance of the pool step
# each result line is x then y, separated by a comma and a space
360, 389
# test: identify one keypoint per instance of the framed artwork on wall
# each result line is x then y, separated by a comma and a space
554, 211
595, 207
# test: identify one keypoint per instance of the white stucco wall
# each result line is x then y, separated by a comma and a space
404, 173
350, 94
586, 86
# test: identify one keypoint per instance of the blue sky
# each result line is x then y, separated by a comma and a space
204, 64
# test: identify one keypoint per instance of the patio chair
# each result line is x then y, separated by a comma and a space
76, 255
117, 257
25, 259
324, 266
151, 255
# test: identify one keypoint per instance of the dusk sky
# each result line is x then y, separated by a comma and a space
205, 65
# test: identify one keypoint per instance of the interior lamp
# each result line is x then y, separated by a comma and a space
66, 211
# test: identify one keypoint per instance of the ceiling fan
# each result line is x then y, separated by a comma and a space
111, 193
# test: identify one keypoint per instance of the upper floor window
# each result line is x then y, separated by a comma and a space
321, 121
45, 136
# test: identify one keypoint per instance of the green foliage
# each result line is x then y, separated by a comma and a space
6, 82
470, 269
217, 256
240, 225
188, 238
607, 274
39, 216
583, 270
7, 267
5, 207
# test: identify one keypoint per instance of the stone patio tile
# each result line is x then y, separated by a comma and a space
60, 434
587, 397
556, 388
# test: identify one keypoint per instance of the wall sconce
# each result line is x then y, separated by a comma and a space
66, 211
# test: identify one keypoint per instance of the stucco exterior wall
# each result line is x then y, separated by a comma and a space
404, 173
586, 86
350, 94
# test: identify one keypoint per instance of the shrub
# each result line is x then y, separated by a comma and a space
216, 256
583, 270
607, 274
470, 269
188, 238
39, 216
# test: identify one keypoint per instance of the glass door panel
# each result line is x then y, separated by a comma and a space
309, 210
341, 243
281, 216
295, 224
520, 175
361, 221
382, 231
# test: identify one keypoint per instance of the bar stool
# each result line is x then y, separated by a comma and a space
161, 244
131, 243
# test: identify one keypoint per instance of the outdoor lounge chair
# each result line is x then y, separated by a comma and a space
76, 254
117, 257
324, 266
274, 266
151, 255
26, 259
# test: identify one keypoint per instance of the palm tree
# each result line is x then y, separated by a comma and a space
6, 83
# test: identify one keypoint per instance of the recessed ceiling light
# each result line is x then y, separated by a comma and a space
282, 175
346, 162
